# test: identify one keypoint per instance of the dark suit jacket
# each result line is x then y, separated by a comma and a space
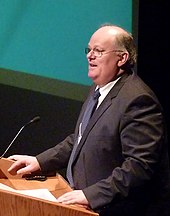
122, 152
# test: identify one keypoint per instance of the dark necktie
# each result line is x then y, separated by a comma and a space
91, 107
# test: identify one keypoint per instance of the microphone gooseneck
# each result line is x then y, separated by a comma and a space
35, 119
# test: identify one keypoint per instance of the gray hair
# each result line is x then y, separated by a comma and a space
124, 40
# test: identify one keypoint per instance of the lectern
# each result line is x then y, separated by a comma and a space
15, 204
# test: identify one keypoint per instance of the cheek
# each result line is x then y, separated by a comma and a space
106, 67
103, 65
108, 70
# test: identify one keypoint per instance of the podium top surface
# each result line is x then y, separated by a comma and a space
12, 202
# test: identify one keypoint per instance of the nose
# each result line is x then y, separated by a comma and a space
90, 54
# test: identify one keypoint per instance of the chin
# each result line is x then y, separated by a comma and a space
92, 75
96, 81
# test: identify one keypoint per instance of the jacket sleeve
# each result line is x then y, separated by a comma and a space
56, 158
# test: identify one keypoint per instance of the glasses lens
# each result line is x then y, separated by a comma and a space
97, 53
87, 50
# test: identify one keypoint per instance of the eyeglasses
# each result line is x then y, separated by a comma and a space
98, 53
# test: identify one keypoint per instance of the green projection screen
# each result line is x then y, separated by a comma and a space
45, 39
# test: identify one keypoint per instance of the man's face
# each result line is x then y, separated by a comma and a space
102, 69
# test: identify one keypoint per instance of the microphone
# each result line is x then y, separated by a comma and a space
35, 119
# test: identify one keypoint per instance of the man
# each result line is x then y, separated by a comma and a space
120, 162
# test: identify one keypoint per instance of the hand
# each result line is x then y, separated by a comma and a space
23, 164
74, 197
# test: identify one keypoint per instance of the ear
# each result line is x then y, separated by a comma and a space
123, 58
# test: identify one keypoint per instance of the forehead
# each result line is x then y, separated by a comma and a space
103, 37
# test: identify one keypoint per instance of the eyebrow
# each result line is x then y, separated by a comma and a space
97, 46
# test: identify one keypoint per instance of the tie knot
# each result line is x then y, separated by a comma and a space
96, 94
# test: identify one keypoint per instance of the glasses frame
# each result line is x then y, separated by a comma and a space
97, 53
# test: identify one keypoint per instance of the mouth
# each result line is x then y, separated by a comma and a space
92, 70
92, 66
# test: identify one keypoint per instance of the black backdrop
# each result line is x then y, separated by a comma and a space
153, 50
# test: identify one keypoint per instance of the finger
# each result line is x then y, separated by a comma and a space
62, 198
24, 170
66, 201
15, 167
69, 202
12, 157
65, 195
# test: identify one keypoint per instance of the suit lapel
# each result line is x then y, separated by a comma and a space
99, 112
